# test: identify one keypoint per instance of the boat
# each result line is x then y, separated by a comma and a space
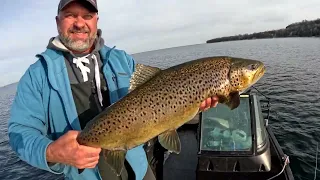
224, 144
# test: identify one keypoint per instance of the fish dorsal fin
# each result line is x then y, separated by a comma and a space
170, 140
141, 75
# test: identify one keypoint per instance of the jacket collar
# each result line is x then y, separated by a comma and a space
55, 63
59, 80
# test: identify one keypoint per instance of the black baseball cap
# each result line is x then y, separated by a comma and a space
91, 4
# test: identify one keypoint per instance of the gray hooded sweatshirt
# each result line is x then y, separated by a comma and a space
84, 89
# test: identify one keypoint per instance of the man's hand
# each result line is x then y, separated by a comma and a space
66, 150
208, 103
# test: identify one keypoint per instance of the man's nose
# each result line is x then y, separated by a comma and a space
79, 22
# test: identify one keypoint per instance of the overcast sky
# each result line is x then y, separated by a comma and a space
142, 25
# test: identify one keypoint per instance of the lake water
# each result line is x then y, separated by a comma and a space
291, 81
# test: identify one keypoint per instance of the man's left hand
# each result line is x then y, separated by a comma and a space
209, 103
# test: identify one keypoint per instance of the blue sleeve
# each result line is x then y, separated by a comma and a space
131, 63
27, 126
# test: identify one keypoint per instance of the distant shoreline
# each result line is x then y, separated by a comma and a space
299, 29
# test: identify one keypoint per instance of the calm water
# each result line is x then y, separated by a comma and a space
292, 81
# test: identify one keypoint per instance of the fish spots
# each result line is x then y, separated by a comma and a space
167, 94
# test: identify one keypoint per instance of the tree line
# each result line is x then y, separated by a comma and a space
304, 28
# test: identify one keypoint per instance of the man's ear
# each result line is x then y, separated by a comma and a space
57, 20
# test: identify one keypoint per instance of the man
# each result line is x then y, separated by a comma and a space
70, 83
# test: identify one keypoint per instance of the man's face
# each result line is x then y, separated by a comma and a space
77, 27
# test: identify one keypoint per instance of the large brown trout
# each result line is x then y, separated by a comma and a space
160, 101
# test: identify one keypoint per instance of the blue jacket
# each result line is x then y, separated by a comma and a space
44, 109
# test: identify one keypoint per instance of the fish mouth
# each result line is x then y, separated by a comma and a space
256, 77
260, 72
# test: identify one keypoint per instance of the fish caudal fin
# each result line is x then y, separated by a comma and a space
170, 140
234, 100
115, 159
141, 75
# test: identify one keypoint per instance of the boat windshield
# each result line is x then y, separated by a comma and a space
223, 129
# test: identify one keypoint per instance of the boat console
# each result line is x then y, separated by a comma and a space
233, 141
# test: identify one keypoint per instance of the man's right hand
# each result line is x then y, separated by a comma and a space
67, 150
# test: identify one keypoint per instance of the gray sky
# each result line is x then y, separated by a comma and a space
144, 25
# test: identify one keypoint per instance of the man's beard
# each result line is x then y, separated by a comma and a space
77, 45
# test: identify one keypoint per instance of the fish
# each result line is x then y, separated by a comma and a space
159, 101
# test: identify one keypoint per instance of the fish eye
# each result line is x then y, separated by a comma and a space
252, 66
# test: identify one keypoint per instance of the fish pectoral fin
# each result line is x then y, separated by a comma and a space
234, 100
141, 75
115, 159
170, 140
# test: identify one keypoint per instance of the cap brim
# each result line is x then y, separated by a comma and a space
92, 8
